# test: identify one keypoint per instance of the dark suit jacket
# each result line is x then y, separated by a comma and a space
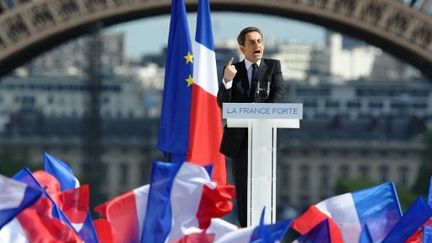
269, 71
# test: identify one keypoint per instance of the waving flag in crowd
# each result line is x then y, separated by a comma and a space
413, 219
14, 198
175, 198
75, 198
170, 206
43, 221
378, 207
319, 234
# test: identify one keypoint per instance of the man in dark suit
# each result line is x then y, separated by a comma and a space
255, 79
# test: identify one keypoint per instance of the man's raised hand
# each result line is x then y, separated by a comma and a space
230, 71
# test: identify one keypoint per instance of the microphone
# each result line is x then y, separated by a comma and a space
262, 90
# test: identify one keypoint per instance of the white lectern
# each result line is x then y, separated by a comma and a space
262, 121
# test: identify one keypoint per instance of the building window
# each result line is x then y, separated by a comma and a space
304, 176
343, 152
103, 171
420, 106
304, 200
124, 174
324, 152
305, 152
403, 175
384, 153
376, 105
345, 171
310, 104
384, 172
324, 176
284, 174
284, 199
353, 104
398, 105
364, 171
145, 169
332, 104
364, 152
321, 115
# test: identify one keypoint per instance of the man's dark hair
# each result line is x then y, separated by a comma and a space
242, 36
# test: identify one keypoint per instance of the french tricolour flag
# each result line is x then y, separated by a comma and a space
169, 207
75, 198
15, 196
205, 132
377, 207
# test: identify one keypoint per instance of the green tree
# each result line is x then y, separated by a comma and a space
12, 160
421, 186
353, 184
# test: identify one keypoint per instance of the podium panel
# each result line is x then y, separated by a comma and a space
262, 121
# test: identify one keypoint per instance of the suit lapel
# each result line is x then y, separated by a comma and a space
243, 85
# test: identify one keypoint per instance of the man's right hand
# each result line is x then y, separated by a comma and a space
230, 71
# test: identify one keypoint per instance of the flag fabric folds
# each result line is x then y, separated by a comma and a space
378, 207
175, 199
70, 207
48, 185
169, 207
61, 171
319, 234
206, 119
413, 219
175, 115
427, 234
69, 185
125, 215
15, 196
365, 236
36, 224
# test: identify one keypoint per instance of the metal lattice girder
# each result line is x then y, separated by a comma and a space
32, 27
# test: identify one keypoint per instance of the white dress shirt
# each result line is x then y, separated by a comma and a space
249, 68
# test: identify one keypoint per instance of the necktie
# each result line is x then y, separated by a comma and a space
253, 81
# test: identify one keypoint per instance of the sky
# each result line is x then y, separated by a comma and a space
150, 35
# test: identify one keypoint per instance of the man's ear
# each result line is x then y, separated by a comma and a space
242, 49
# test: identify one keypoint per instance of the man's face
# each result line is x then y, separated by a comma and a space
253, 47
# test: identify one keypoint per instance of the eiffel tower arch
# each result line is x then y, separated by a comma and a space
30, 27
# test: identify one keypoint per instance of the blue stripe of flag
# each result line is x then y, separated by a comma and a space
157, 224
61, 171
204, 30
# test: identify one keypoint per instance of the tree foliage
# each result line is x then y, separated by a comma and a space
421, 186
12, 160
